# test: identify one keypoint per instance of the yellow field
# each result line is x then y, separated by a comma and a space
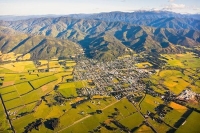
98, 97
19, 66
143, 65
177, 106
144, 129
13, 57
43, 62
70, 64
25, 57
115, 80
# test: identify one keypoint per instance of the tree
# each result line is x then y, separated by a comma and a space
54, 123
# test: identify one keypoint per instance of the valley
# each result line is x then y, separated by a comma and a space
85, 95
120, 72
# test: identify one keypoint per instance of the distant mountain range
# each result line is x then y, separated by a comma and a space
110, 16
103, 36
40, 47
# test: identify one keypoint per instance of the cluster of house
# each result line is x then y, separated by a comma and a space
120, 76
187, 94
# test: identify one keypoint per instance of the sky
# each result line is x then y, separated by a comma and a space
62, 7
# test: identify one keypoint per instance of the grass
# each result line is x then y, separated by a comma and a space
5, 70
32, 96
70, 63
173, 116
7, 90
54, 64
149, 103
92, 122
187, 60
143, 65
19, 66
76, 115
160, 128
56, 111
19, 124
10, 77
132, 121
42, 111
158, 89
13, 103
68, 92
144, 129
10, 96
191, 125
173, 80
23, 88
85, 126
22, 109
4, 125
40, 82
69, 89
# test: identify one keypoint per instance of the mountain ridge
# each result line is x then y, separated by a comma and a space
105, 40
40, 47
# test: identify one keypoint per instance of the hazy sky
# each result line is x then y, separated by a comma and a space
36, 7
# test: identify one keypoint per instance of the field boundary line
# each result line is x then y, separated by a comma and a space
8, 118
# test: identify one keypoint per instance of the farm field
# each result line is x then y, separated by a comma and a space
149, 103
174, 80
187, 60
19, 66
22, 88
132, 121
127, 112
143, 65
42, 81
191, 121
181, 72
173, 116
51, 89
69, 89
4, 125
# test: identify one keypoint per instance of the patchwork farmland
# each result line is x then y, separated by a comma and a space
88, 96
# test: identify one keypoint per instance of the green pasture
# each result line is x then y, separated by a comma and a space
132, 121
42, 81
150, 103
69, 89
13, 103
160, 128
172, 117
23, 88
8, 89
10, 96
191, 124
173, 80
125, 108
187, 60
4, 125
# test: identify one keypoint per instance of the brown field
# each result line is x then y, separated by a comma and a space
78, 99
8, 83
180, 55
44, 88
